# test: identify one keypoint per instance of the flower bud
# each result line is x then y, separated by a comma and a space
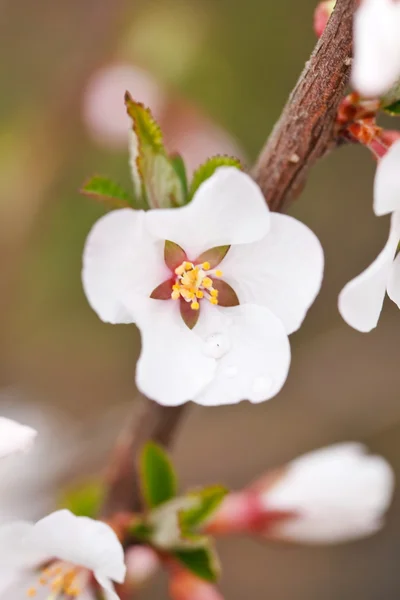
141, 563
322, 15
185, 586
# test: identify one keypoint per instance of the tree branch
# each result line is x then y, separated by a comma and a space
304, 133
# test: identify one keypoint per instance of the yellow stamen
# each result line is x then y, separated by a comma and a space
214, 293
199, 294
175, 295
187, 266
218, 273
175, 287
179, 270
31, 593
213, 300
195, 305
207, 282
206, 265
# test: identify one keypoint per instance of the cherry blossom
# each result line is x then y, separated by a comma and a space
376, 63
361, 300
330, 495
15, 437
215, 287
58, 556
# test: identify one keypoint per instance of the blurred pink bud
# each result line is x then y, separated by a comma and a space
322, 15
141, 564
185, 586
104, 112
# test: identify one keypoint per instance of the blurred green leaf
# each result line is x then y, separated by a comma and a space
209, 500
202, 562
156, 177
207, 169
390, 102
84, 499
112, 193
158, 478
180, 169
393, 109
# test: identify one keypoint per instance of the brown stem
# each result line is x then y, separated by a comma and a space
304, 133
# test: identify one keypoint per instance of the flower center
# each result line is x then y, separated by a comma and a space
194, 282
61, 579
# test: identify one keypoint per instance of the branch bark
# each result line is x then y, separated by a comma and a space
304, 133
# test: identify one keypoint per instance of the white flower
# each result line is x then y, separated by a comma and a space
361, 300
56, 557
216, 330
376, 63
15, 437
336, 494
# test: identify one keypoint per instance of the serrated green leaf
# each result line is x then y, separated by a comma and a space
158, 478
393, 109
156, 177
105, 189
140, 530
83, 499
180, 169
202, 562
207, 169
209, 500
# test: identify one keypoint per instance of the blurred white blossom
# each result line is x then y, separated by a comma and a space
361, 300
271, 264
376, 63
57, 556
336, 494
15, 437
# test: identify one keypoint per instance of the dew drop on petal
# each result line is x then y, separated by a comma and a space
231, 371
262, 385
216, 345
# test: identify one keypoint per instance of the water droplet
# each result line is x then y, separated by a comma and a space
261, 385
231, 371
216, 345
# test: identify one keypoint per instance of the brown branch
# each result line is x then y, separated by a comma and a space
304, 133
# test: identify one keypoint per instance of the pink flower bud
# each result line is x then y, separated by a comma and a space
185, 586
322, 14
141, 563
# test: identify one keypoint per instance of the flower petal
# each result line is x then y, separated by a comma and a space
376, 62
14, 553
172, 367
387, 182
282, 272
393, 287
120, 257
339, 493
80, 540
15, 437
228, 208
253, 354
361, 300
107, 586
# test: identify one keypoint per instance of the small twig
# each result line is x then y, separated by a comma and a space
304, 133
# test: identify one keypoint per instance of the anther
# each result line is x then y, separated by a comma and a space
214, 293
31, 592
195, 305
206, 265
214, 300
207, 282
218, 273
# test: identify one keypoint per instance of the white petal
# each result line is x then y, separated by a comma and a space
228, 208
107, 586
15, 437
14, 551
254, 355
393, 288
80, 540
340, 493
361, 300
387, 182
120, 257
376, 63
282, 272
173, 366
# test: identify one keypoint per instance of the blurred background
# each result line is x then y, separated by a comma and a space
216, 74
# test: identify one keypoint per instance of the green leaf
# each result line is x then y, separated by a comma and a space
180, 169
83, 499
393, 109
202, 562
156, 177
158, 478
207, 169
105, 189
209, 500
390, 102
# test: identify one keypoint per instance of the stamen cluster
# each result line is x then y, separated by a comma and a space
193, 282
